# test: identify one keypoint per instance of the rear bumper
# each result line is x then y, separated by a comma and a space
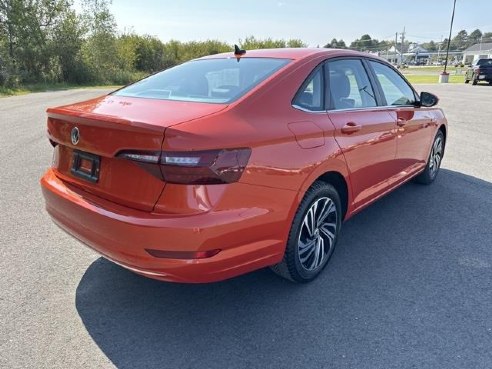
249, 237
484, 77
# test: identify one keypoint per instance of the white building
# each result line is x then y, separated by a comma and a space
477, 51
417, 54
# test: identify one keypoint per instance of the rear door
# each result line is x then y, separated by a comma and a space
364, 131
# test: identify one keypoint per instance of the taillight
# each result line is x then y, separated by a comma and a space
193, 167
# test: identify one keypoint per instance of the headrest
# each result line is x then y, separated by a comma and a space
339, 86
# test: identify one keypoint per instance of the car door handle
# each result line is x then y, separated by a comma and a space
351, 127
401, 122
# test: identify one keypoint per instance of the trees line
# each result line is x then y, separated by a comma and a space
460, 42
48, 41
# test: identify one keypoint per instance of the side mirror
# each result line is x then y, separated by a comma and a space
427, 99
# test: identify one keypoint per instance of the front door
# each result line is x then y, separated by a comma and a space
414, 124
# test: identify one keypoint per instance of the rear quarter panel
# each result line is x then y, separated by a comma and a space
263, 121
287, 151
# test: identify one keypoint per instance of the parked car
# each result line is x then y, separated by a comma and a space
479, 71
231, 163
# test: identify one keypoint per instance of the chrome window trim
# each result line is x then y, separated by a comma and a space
307, 110
372, 108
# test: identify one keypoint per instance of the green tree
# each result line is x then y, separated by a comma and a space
150, 54
487, 37
365, 43
459, 42
336, 44
474, 37
430, 46
100, 51
68, 38
27, 30
295, 43
384, 45
251, 43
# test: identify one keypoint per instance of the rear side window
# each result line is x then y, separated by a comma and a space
349, 85
310, 97
395, 89
207, 80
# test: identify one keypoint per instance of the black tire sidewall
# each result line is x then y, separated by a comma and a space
296, 270
425, 177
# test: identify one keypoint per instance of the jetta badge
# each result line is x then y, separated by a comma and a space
75, 135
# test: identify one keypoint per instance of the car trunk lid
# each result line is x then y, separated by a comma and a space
106, 126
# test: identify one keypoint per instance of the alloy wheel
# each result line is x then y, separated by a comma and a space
436, 156
317, 235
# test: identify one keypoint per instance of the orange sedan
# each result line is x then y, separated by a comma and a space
235, 162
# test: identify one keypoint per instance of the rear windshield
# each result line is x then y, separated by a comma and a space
207, 80
483, 62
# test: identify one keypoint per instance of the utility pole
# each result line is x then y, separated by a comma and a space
402, 44
439, 50
396, 50
449, 38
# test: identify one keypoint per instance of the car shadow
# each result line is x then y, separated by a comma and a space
408, 286
482, 84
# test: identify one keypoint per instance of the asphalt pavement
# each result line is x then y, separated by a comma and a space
409, 286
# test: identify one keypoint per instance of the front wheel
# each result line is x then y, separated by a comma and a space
313, 234
434, 162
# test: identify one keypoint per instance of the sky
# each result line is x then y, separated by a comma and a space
316, 22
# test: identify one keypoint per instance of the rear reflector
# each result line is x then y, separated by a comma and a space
182, 254
193, 167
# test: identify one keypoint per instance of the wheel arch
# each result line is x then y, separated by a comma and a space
338, 181
443, 129
332, 170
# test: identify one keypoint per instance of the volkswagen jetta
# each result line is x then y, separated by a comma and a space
235, 162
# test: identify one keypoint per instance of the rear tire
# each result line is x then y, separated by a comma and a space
474, 80
434, 162
467, 80
313, 234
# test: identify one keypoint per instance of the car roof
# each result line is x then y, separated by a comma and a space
290, 53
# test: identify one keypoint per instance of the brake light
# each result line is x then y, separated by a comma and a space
193, 167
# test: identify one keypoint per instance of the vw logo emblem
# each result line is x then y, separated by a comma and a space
75, 135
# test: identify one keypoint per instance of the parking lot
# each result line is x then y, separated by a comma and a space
409, 286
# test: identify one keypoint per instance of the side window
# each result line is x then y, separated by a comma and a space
395, 89
349, 85
310, 96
